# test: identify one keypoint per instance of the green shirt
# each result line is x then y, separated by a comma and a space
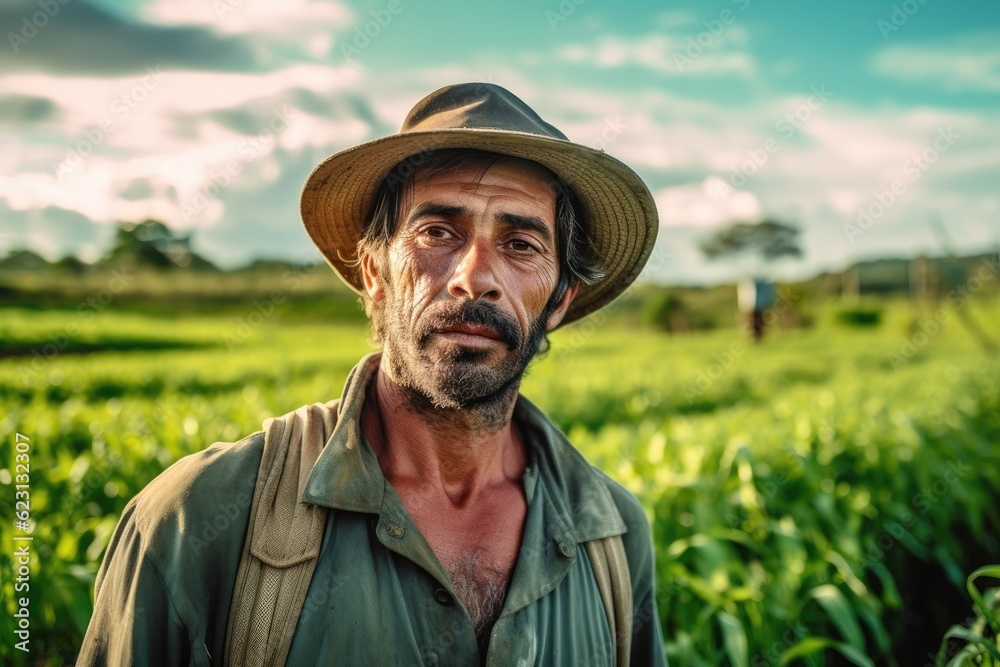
379, 595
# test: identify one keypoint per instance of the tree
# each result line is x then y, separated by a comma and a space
151, 243
767, 239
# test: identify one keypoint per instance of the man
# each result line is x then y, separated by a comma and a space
438, 518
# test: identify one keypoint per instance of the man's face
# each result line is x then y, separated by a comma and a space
460, 306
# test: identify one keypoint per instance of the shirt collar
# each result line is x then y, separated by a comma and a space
347, 475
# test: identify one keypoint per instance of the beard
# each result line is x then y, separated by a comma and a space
448, 376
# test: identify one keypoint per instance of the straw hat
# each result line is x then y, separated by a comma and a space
617, 208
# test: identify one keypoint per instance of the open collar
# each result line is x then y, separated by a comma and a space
347, 475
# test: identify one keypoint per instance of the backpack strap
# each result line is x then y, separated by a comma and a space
282, 542
610, 565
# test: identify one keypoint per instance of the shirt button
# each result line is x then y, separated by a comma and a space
565, 550
442, 596
394, 529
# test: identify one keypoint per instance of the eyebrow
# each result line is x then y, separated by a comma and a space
430, 208
525, 222
528, 223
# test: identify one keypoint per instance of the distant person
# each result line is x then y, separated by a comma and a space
432, 515
754, 297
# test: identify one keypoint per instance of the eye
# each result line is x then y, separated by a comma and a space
520, 245
437, 232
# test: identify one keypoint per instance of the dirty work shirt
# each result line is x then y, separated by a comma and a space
379, 595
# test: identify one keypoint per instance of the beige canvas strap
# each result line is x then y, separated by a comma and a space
282, 542
610, 565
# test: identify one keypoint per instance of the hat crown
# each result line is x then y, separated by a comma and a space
476, 106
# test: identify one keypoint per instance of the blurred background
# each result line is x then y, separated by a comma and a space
801, 388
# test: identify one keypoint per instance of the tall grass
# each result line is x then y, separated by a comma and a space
794, 488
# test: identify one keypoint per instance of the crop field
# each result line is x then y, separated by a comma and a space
818, 498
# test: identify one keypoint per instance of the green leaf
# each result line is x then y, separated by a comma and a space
854, 655
875, 624
804, 647
964, 633
890, 594
735, 639
837, 608
977, 597
734, 536
844, 569
972, 638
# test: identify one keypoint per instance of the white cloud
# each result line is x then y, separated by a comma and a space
970, 63
109, 145
843, 201
860, 142
41, 242
288, 18
670, 54
704, 204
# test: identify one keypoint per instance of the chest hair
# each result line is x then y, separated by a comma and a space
481, 585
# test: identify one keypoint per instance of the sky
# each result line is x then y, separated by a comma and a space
863, 123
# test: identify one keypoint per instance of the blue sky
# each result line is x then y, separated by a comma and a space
861, 122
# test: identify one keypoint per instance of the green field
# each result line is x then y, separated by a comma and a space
816, 499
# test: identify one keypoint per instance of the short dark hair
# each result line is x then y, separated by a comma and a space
577, 263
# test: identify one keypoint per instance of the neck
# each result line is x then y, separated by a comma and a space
461, 452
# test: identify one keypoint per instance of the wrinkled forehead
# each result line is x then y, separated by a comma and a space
472, 169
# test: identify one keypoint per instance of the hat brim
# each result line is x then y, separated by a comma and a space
618, 210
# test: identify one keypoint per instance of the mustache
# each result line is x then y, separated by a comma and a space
472, 312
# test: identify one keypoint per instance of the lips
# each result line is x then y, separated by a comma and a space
475, 324
472, 329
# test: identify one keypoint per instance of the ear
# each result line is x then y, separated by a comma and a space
557, 315
372, 282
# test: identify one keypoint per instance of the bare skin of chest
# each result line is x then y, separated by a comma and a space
477, 542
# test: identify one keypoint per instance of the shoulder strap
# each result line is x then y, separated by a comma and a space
610, 565
282, 542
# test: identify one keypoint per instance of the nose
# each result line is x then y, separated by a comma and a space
475, 275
